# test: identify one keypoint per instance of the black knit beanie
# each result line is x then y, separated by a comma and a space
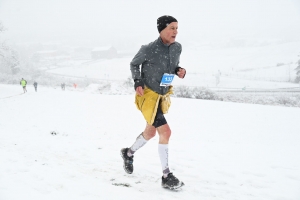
164, 21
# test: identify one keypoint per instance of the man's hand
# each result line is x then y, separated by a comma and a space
140, 91
181, 73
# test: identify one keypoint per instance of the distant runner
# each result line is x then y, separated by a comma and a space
35, 85
23, 83
63, 85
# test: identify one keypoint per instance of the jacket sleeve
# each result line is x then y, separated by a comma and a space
180, 50
138, 59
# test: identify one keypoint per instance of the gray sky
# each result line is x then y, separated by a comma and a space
135, 20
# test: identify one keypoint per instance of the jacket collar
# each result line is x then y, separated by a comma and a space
166, 45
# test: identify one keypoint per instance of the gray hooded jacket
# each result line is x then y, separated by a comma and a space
156, 59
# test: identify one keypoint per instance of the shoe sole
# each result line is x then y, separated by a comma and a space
124, 164
174, 187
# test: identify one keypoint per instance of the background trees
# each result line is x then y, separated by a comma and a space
9, 61
298, 72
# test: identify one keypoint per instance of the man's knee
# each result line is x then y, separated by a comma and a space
165, 131
149, 132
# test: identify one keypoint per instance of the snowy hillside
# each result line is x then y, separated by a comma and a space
201, 58
118, 70
220, 150
251, 67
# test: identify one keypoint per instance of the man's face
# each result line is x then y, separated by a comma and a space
168, 35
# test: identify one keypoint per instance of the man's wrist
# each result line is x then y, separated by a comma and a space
138, 82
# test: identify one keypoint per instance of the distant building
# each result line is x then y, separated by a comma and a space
106, 52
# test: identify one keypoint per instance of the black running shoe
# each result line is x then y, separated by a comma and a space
128, 166
171, 182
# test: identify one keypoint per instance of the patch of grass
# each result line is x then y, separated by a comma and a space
122, 184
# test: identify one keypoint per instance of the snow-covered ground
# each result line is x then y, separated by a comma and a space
105, 69
119, 70
199, 58
194, 80
220, 150
264, 66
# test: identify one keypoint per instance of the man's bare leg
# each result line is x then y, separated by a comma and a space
149, 132
164, 133
142, 139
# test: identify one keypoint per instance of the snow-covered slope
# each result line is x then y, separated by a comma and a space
220, 150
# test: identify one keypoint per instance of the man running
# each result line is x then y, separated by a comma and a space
23, 83
159, 63
35, 85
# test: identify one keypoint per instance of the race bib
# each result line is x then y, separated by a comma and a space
167, 79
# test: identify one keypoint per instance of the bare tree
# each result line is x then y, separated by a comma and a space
1, 43
298, 72
8, 57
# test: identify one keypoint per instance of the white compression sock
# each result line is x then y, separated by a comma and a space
140, 141
163, 152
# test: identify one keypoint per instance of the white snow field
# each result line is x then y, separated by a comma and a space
274, 62
118, 70
220, 150
267, 67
